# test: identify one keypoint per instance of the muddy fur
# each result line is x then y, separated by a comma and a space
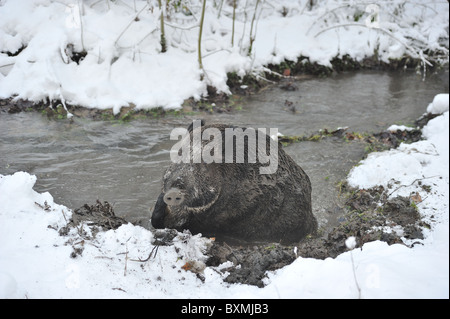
235, 200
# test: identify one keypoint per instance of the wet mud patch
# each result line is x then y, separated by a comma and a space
369, 215
339, 64
250, 263
392, 139
99, 216
87, 221
375, 142
214, 103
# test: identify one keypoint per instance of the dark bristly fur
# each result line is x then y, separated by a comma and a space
235, 200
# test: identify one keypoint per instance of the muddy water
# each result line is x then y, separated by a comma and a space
122, 163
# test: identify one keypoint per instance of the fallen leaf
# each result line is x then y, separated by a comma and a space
416, 198
187, 266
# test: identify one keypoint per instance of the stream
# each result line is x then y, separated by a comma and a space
83, 160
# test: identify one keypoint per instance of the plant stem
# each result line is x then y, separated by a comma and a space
200, 63
163, 36
252, 38
234, 19
81, 12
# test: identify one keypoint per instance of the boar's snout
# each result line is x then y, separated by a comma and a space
174, 197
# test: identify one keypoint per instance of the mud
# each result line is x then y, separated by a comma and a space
99, 215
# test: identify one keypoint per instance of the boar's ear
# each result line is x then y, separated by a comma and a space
191, 126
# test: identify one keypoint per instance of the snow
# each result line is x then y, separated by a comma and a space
36, 262
124, 65
439, 104
394, 128
350, 242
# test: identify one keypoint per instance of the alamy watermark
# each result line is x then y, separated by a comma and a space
241, 146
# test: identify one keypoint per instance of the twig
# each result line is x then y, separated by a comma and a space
323, 15
260, 77
103, 257
63, 101
120, 289
232, 251
267, 70
5, 65
216, 51
407, 46
354, 276
350, 243
181, 28
128, 25
416, 180
64, 215
220, 9
126, 257
145, 37
96, 2
154, 249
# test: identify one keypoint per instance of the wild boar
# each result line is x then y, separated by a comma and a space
230, 196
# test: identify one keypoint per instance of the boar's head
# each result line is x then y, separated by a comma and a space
188, 192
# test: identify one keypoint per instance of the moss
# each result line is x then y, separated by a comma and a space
236, 83
302, 66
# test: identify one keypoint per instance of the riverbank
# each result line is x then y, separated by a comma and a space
214, 103
110, 56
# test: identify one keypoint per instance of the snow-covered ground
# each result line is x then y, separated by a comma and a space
36, 262
124, 65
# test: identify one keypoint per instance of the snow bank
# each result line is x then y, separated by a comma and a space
36, 262
439, 104
124, 65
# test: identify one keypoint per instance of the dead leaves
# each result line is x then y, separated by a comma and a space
187, 266
194, 266
415, 197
